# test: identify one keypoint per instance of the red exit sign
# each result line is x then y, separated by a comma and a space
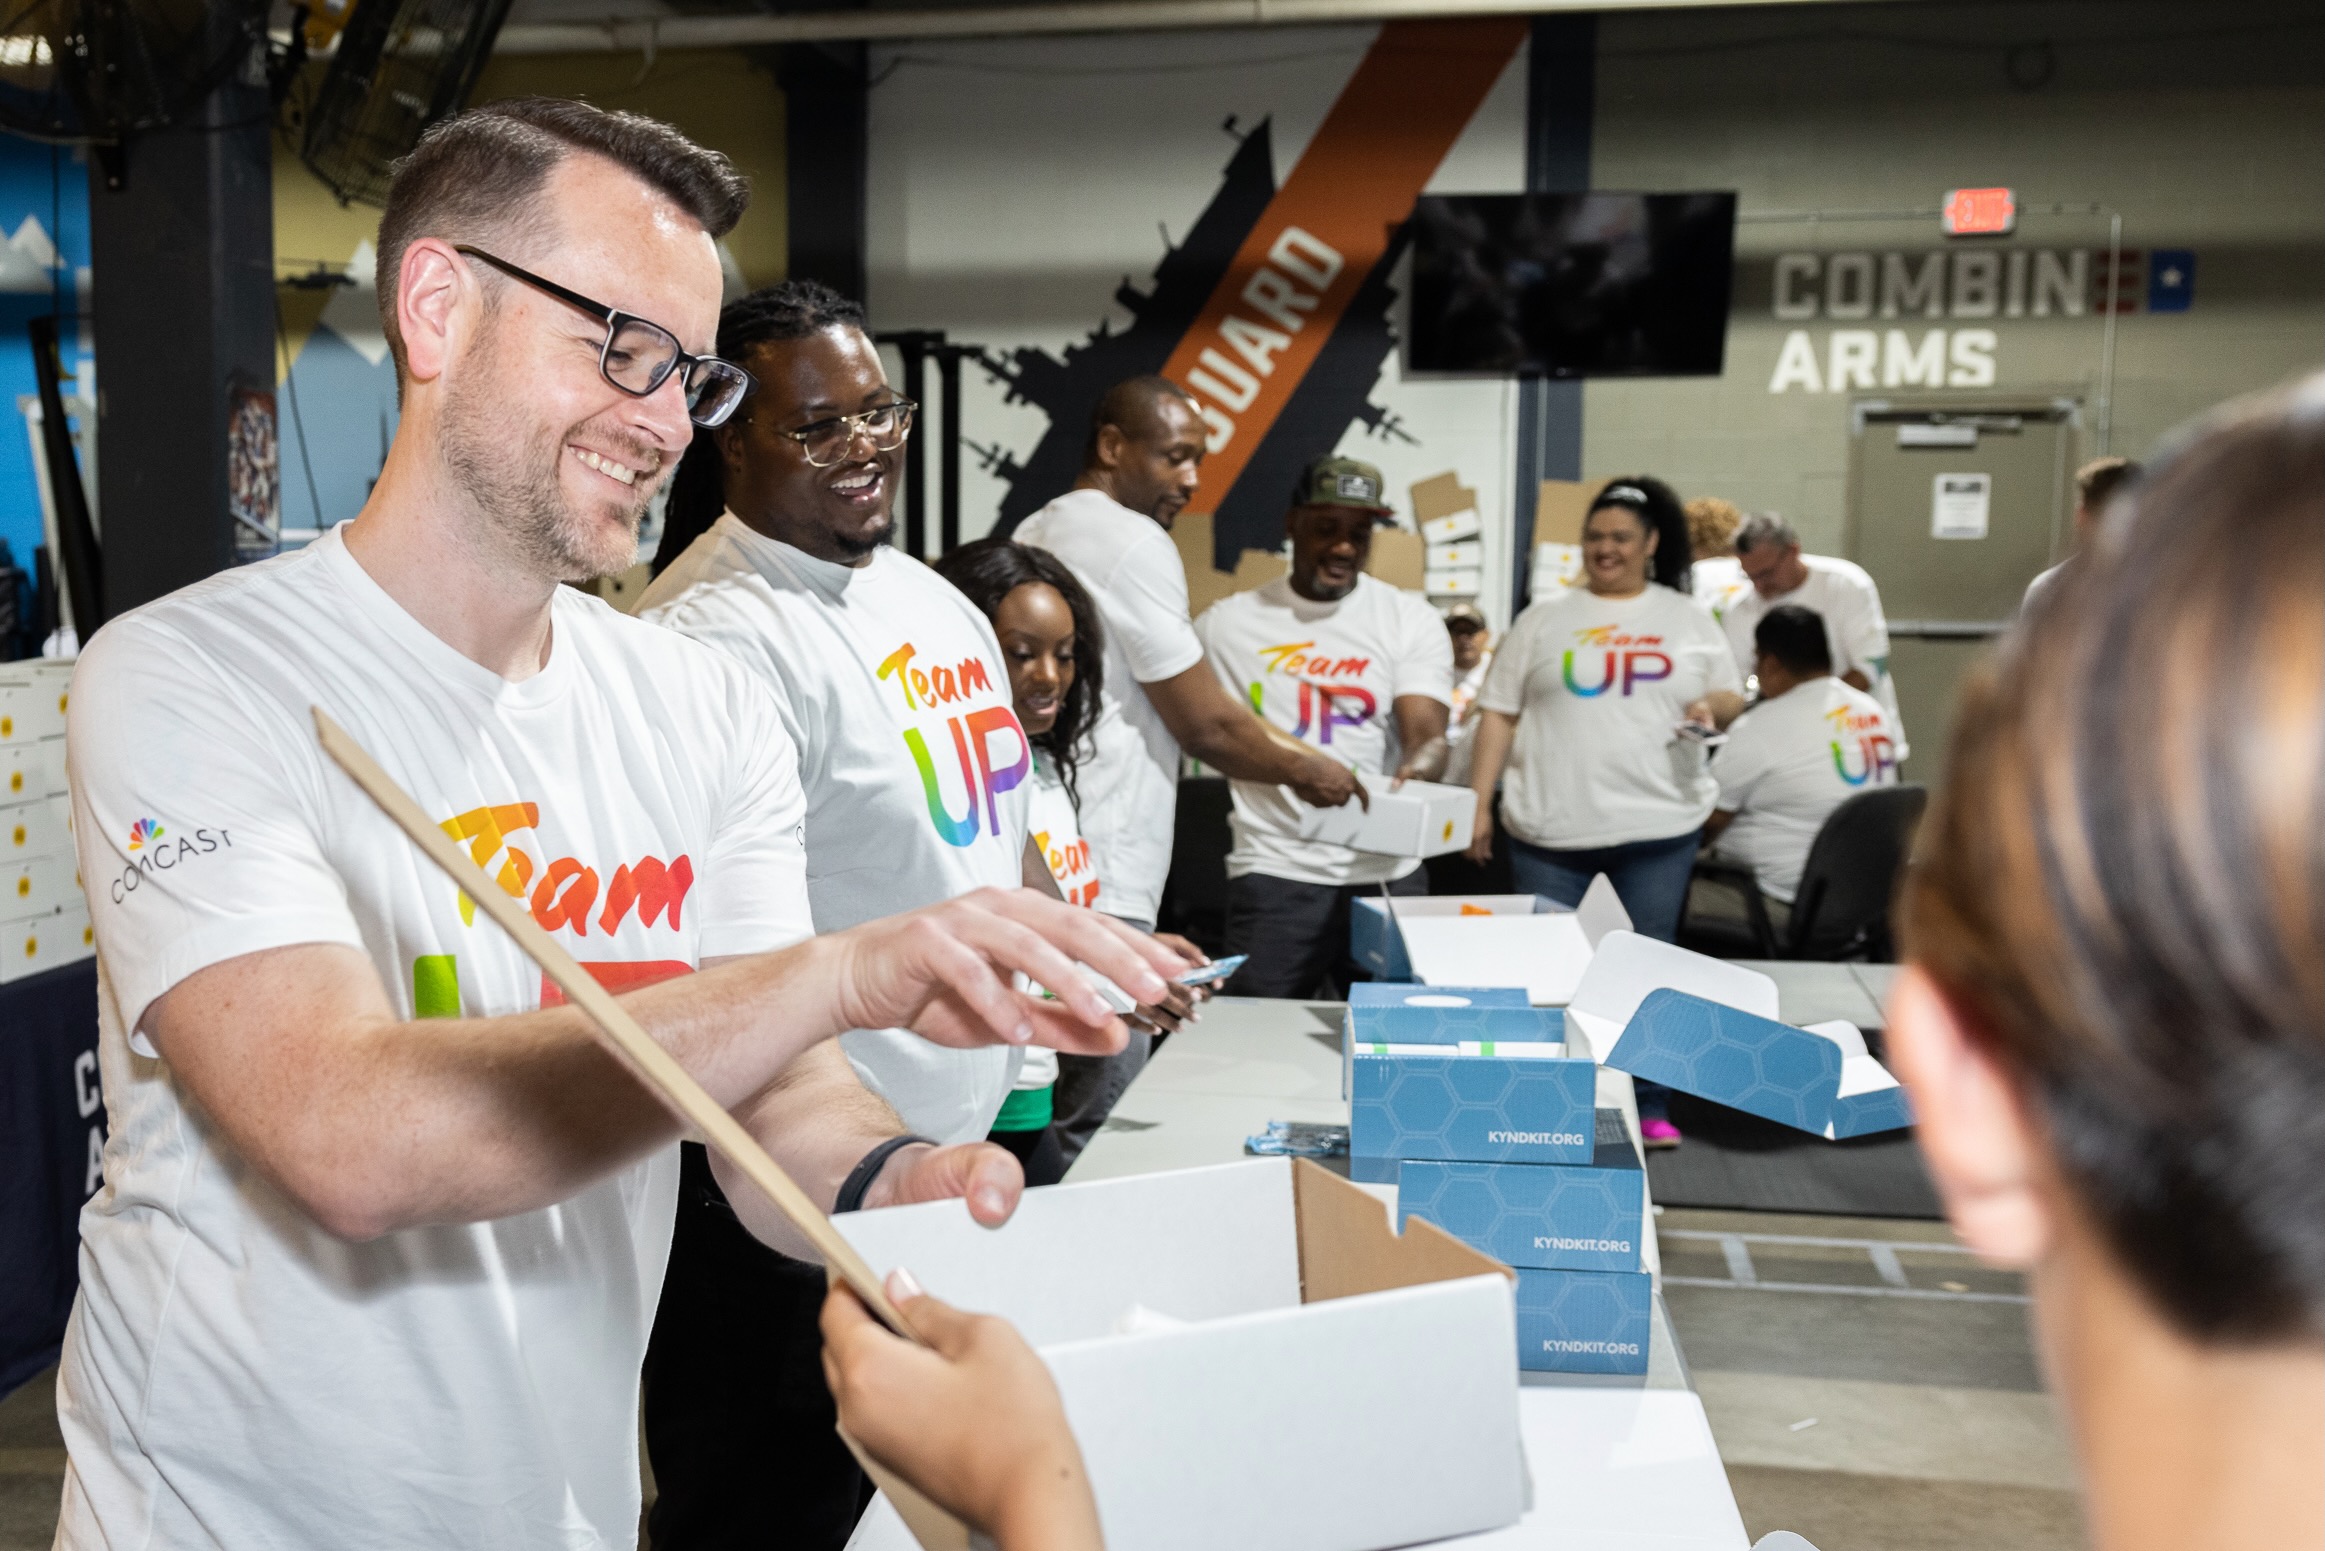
1980, 212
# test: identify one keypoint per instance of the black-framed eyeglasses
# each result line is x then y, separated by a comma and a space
827, 442
639, 355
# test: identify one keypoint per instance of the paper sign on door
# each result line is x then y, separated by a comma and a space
1958, 505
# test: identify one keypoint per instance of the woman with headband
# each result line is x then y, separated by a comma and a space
1596, 704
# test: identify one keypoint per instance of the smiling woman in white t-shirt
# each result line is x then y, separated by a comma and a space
1584, 705
1054, 646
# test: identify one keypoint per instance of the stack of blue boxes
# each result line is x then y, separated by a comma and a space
1461, 1098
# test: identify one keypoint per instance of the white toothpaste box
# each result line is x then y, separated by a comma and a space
1420, 818
1294, 1374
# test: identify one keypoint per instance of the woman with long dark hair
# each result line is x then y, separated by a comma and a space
1586, 704
1055, 648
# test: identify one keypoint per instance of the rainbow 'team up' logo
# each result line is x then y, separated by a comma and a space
142, 831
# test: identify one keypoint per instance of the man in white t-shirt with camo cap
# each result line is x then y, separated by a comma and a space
382, 1226
1361, 671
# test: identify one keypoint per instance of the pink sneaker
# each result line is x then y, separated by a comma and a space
1658, 1134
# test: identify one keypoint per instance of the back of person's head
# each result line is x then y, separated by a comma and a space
2098, 481
792, 309
1128, 407
989, 570
1765, 528
478, 177
1657, 505
1795, 637
2123, 886
1711, 526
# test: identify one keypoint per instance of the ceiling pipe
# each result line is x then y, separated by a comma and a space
627, 35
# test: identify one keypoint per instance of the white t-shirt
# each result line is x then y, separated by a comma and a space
1059, 834
234, 1376
1130, 782
1715, 580
1599, 686
894, 689
1461, 724
1843, 594
1329, 674
1787, 764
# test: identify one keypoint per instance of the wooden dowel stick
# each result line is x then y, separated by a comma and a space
653, 1065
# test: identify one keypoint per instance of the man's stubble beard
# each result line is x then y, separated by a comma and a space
510, 472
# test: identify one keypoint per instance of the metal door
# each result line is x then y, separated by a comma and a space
1953, 568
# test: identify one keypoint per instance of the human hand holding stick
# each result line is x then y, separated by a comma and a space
652, 1065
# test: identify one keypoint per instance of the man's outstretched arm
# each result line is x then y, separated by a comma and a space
371, 1124
1232, 739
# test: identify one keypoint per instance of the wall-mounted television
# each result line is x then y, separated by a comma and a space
1572, 285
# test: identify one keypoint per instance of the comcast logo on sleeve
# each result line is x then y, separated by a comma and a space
142, 831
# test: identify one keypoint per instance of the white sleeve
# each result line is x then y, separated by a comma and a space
1145, 604
1866, 638
197, 816
754, 880
1504, 689
1424, 657
1720, 671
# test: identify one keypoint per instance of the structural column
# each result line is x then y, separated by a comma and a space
181, 232
1561, 71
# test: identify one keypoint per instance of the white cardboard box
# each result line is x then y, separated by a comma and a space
1454, 557
1420, 818
30, 946
1467, 582
1452, 527
32, 770
32, 702
1334, 1386
40, 885
41, 827
1547, 953
1628, 966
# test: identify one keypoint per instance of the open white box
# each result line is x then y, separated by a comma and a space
1546, 954
1335, 1386
1628, 966
1420, 818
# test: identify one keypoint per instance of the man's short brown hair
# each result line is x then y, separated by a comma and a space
477, 177
2097, 481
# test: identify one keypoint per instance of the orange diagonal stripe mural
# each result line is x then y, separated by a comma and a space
1328, 225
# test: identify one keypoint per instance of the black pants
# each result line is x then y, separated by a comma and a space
1297, 933
739, 1423
1038, 1151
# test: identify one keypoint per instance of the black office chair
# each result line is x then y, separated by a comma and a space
1841, 909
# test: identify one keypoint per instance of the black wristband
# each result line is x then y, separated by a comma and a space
851, 1196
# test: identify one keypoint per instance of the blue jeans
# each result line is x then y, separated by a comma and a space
1650, 877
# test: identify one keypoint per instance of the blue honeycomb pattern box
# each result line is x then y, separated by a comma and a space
1480, 1108
1862, 1114
1731, 1057
1583, 1321
1545, 1216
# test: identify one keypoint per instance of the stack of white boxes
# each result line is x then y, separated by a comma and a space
44, 917
1447, 513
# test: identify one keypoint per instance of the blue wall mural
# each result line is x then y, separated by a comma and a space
44, 267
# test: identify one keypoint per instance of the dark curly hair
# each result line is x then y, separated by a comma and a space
991, 569
1658, 507
795, 309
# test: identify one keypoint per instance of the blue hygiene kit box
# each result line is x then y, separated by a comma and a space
1408, 1102
1544, 1217
1583, 1321
1821, 1080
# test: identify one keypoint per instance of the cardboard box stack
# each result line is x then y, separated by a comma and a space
1465, 1099
44, 918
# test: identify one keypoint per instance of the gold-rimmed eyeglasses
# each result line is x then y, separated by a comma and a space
827, 442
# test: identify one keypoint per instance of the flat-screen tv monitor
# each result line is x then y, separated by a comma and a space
1572, 285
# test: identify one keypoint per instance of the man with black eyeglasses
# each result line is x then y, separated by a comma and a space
382, 1226
916, 776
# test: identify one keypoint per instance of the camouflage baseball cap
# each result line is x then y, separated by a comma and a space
1342, 482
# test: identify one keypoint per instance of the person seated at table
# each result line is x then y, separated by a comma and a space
1807, 744
2111, 1024
1358, 670
1055, 648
